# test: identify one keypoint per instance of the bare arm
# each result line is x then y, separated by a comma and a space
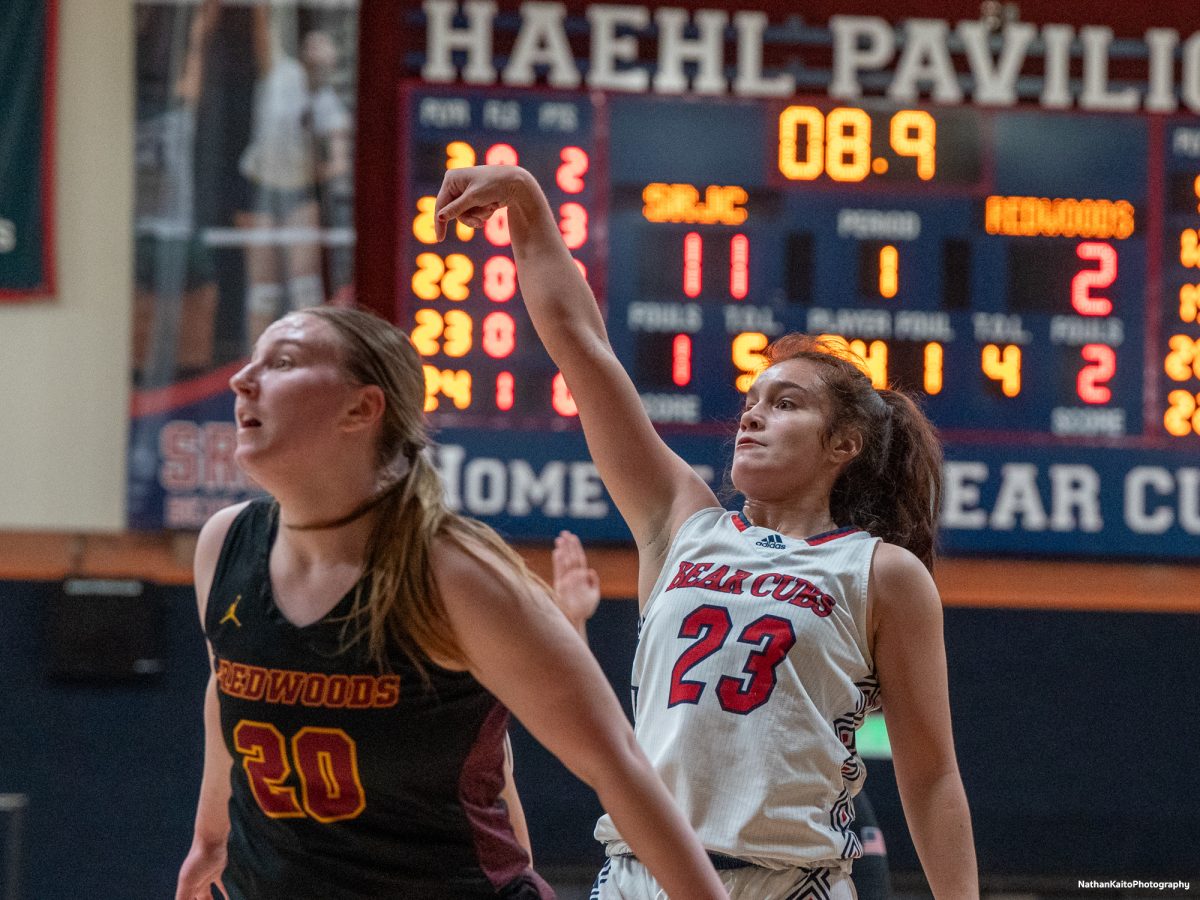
191, 78
205, 861
653, 488
910, 659
521, 648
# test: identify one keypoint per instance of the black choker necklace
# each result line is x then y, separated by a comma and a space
357, 513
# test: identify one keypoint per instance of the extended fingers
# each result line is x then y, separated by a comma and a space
569, 551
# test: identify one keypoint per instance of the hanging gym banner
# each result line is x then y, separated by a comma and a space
26, 149
243, 205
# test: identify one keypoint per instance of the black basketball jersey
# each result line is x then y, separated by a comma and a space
349, 782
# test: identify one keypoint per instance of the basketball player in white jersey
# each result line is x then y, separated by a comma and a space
767, 634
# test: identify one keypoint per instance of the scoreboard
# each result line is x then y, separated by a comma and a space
1032, 276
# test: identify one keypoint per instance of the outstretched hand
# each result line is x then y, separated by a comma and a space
473, 194
576, 587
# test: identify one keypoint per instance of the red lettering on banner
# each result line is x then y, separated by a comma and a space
178, 442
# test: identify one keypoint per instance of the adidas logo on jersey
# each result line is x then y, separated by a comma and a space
772, 542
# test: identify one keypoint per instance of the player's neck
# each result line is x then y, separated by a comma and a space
793, 518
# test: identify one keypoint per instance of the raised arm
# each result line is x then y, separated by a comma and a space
205, 861
653, 488
910, 660
521, 648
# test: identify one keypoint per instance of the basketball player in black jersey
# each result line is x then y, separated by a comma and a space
366, 644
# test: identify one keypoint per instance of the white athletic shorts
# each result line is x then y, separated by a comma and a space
625, 878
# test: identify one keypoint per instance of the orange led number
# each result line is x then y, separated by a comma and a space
874, 358
794, 166
573, 223
914, 133
454, 328
739, 266
423, 226
569, 176
1189, 303
436, 277
848, 144
1189, 248
459, 155
505, 391
839, 144
1183, 362
495, 229
1102, 365
561, 399
1183, 415
499, 279
681, 360
453, 384
889, 271
1087, 279
693, 258
500, 155
871, 360
746, 350
934, 357
1003, 366
499, 335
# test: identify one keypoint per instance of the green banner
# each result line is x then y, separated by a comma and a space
26, 148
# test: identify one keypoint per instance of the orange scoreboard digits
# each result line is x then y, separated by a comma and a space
1031, 275
463, 311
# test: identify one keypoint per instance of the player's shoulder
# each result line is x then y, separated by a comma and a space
213, 533
208, 548
899, 580
462, 563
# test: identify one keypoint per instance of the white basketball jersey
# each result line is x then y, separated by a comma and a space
752, 674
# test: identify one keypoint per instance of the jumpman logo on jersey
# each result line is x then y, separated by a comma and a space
231, 613
772, 542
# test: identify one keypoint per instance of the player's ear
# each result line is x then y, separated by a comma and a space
845, 445
366, 407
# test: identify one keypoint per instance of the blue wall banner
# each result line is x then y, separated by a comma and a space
27, 56
1027, 501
